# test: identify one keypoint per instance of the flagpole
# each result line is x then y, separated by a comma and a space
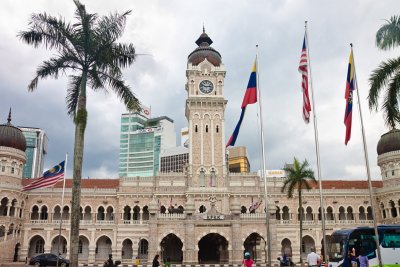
367, 165
321, 199
62, 209
268, 234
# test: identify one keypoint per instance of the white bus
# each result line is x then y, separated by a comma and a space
342, 241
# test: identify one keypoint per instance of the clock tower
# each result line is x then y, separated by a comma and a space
205, 106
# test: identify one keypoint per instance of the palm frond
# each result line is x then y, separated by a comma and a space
390, 104
73, 92
111, 27
122, 90
388, 35
52, 68
380, 78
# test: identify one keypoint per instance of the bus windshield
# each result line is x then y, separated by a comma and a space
336, 248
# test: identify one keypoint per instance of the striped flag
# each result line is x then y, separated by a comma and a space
250, 97
49, 178
350, 87
303, 69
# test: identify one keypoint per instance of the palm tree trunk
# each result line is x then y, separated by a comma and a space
80, 125
301, 223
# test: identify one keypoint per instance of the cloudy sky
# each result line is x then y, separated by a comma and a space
165, 31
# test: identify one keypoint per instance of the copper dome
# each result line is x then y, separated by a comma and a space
11, 136
389, 141
204, 51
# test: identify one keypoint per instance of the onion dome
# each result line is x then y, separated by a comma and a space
204, 51
389, 141
11, 136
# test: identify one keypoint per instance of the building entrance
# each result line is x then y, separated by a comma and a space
171, 248
213, 248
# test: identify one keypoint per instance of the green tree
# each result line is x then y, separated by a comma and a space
87, 52
298, 178
387, 75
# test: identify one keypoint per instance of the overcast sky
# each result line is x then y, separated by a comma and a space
166, 32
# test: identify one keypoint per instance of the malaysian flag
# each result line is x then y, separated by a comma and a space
49, 178
255, 205
303, 69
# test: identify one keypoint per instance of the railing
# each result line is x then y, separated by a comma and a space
171, 216
86, 222
252, 216
346, 222
63, 221
38, 221
366, 221
135, 222
107, 222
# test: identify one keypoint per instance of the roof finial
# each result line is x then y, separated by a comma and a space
9, 117
204, 30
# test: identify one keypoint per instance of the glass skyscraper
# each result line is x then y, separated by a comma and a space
141, 141
36, 149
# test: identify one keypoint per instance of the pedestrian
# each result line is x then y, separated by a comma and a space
363, 259
353, 257
313, 258
109, 262
167, 262
156, 263
247, 261
137, 261
284, 259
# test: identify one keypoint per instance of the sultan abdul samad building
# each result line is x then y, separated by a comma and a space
210, 219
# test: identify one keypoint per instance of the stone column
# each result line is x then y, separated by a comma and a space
153, 225
189, 253
92, 248
8, 209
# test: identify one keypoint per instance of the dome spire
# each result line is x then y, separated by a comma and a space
9, 117
204, 40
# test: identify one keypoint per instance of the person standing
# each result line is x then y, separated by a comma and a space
353, 257
167, 262
363, 259
313, 258
247, 261
156, 263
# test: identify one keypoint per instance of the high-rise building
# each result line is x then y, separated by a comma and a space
36, 149
174, 159
238, 159
141, 142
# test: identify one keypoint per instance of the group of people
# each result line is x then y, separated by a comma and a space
361, 258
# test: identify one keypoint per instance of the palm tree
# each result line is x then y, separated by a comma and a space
87, 52
387, 75
298, 177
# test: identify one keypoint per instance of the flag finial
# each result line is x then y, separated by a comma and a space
351, 45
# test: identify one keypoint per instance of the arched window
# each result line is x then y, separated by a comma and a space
206, 128
202, 209
383, 211
195, 128
393, 210
213, 179
217, 129
202, 178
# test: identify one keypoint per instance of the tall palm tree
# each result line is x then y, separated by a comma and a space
298, 178
387, 75
87, 52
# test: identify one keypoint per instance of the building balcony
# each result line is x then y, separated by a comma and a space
135, 222
252, 216
171, 216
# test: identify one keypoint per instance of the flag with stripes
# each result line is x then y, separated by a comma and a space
350, 87
303, 69
49, 178
250, 97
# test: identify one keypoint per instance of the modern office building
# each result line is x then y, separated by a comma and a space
238, 159
174, 159
36, 150
141, 141
198, 216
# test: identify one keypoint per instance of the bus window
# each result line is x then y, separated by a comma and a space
391, 239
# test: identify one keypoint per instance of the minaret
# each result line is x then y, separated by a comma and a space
205, 106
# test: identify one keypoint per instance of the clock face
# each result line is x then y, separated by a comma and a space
206, 86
